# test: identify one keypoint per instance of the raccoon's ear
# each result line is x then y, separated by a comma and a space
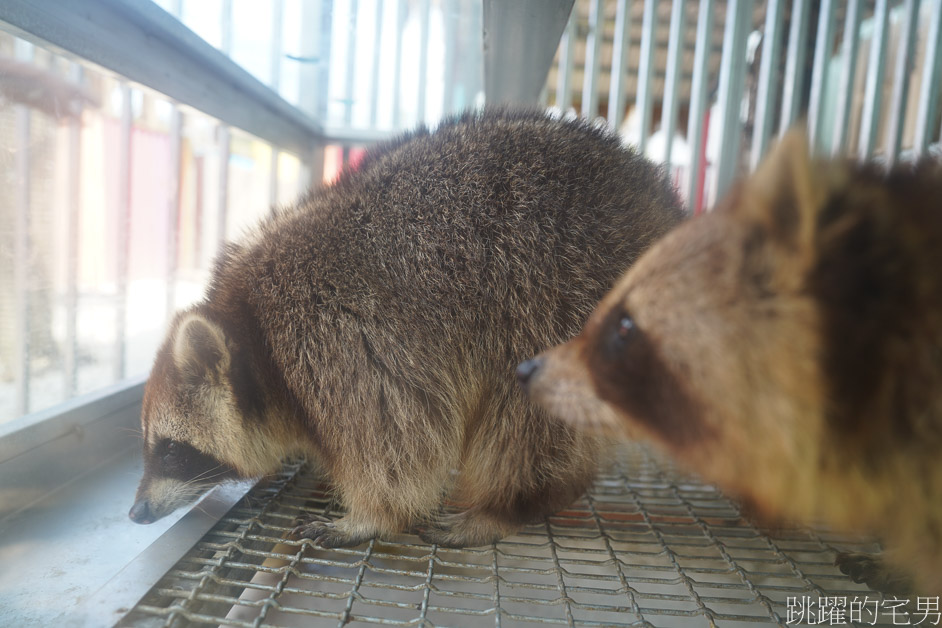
199, 348
784, 193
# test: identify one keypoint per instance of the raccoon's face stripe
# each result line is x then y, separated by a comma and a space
180, 461
627, 373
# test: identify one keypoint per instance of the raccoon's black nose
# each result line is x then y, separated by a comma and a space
526, 369
140, 512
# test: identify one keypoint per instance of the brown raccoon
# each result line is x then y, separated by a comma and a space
377, 325
787, 346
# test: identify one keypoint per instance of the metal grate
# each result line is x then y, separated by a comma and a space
645, 547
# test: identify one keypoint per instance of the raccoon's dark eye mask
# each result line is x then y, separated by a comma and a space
184, 462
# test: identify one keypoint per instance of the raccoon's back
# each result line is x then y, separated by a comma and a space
507, 224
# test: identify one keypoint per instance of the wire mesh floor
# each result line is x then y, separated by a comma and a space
646, 546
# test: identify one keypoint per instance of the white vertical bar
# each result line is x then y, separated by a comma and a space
931, 83
620, 47
766, 93
316, 167
646, 69
593, 45
277, 47
449, 13
21, 265
873, 91
794, 65
22, 252
273, 179
310, 94
397, 65
424, 10
225, 22
564, 67
377, 48
173, 208
675, 49
901, 72
848, 72
822, 53
698, 98
732, 71
222, 205
123, 233
351, 36
73, 166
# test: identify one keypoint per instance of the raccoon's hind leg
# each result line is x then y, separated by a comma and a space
510, 479
392, 470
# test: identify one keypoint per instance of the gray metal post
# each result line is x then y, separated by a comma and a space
794, 65
931, 83
873, 90
901, 72
767, 88
593, 46
698, 96
620, 48
732, 71
848, 72
646, 70
676, 44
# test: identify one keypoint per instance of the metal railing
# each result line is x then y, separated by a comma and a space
206, 104
864, 77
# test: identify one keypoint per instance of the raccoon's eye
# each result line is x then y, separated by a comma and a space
626, 325
172, 451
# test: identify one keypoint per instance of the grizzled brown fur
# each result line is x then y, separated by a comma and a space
378, 322
788, 346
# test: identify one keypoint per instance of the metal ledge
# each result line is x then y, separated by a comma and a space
42, 452
142, 42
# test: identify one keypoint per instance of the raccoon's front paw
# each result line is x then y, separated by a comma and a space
869, 569
326, 532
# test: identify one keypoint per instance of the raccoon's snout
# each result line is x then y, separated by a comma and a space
526, 370
140, 512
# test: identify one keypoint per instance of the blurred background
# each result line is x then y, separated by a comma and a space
117, 195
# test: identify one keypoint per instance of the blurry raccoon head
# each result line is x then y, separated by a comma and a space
203, 420
709, 345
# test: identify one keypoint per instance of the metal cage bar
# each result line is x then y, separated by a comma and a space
122, 232
873, 90
676, 45
767, 87
698, 102
351, 65
794, 64
621, 45
22, 249
173, 207
425, 8
593, 47
901, 72
73, 211
848, 72
822, 52
564, 67
646, 70
732, 71
931, 83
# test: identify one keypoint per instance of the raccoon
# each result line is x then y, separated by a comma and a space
787, 346
376, 326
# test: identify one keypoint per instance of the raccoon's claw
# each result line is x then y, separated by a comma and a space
871, 570
325, 532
